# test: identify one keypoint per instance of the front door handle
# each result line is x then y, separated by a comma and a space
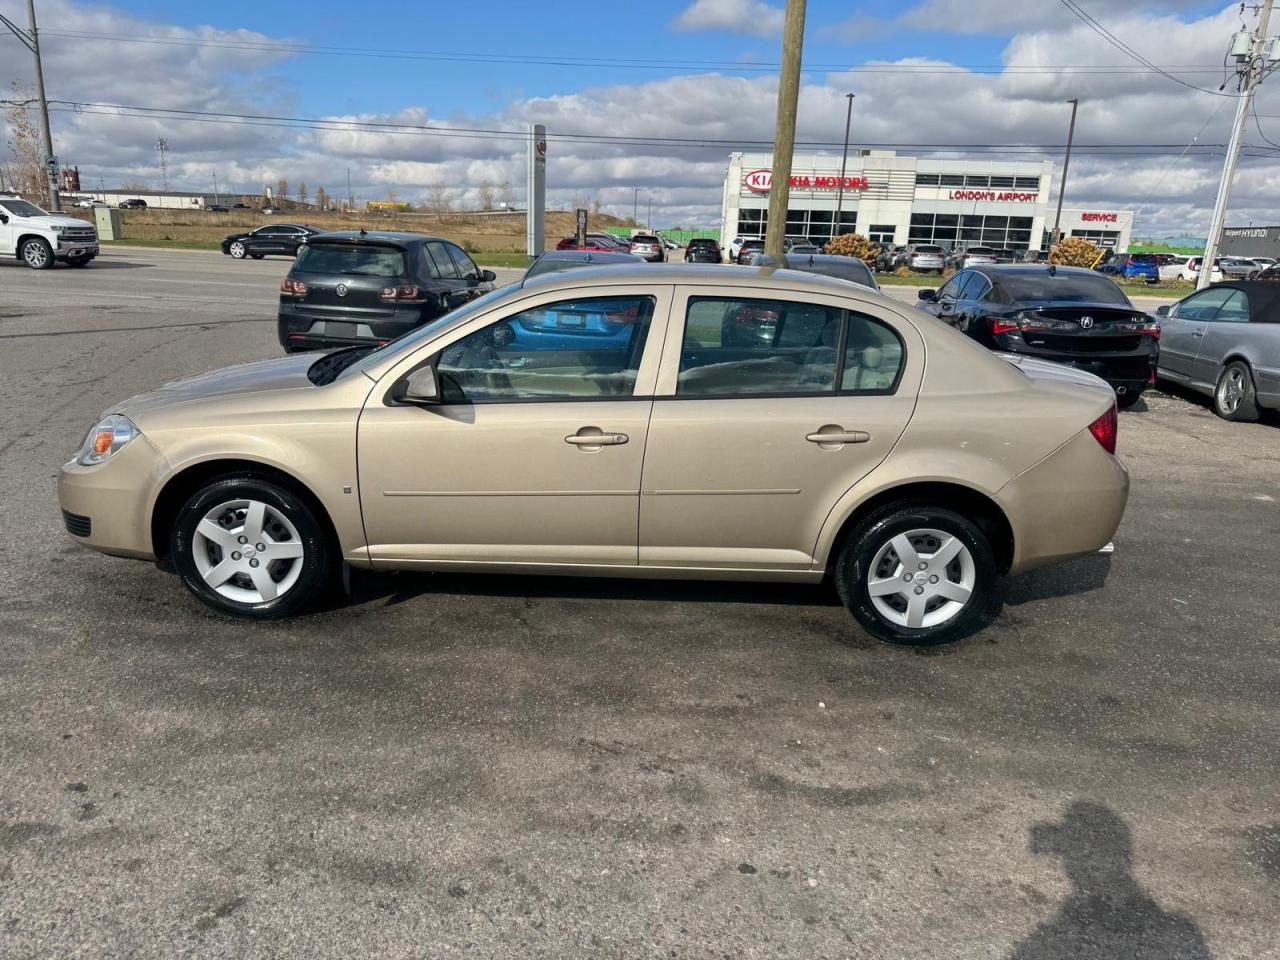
591, 439
1198, 333
832, 436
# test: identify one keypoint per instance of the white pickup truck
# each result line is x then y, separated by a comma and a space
39, 239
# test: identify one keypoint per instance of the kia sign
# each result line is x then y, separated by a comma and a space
759, 181
998, 196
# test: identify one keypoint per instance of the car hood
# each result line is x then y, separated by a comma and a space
261, 376
234, 236
55, 220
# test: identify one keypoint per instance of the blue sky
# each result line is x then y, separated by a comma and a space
1016, 100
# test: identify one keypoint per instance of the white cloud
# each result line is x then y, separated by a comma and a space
748, 17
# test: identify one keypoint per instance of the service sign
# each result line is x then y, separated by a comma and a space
759, 181
1100, 217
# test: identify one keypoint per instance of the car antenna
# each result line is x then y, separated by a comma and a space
364, 232
1053, 269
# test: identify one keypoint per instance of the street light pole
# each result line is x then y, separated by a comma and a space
30, 38
844, 162
1066, 163
784, 140
635, 206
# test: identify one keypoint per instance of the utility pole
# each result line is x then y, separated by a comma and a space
1249, 67
351, 204
215, 187
844, 162
30, 38
162, 145
635, 207
648, 220
1056, 237
784, 140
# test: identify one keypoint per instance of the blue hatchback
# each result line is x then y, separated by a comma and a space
1132, 266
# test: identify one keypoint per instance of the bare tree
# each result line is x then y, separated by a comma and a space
322, 198
27, 171
487, 191
439, 200
302, 191
506, 195
282, 189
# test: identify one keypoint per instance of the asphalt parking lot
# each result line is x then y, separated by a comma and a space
453, 765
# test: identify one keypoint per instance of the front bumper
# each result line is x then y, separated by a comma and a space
74, 249
110, 502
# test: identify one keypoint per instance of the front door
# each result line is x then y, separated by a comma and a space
8, 232
1182, 331
769, 410
533, 454
1222, 336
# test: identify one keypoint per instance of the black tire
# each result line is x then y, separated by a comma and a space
1126, 400
865, 542
1246, 407
36, 253
320, 561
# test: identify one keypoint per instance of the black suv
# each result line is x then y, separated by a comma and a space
357, 288
703, 250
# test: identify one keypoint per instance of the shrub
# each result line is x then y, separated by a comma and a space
470, 246
1075, 252
853, 245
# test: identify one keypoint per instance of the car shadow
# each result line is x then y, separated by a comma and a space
99, 263
1061, 580
392, 588
1108, 913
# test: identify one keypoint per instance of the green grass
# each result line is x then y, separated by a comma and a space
500, 258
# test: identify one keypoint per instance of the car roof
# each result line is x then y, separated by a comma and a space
592, 256
372, 236
762, 279
1028, 269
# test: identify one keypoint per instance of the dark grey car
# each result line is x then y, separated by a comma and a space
1225, 342
828, 265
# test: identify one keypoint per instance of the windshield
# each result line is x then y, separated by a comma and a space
427, 330
351, 260
1043, 287
20, 208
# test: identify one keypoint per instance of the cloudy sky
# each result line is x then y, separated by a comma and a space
696, 75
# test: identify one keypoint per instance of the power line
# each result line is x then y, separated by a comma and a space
268, 46
1124, 48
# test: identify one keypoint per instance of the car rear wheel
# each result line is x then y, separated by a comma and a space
1234, 398
37, 254
916, 574
251, 548
237, 250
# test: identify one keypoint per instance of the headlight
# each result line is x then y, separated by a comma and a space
106, 439
58, 229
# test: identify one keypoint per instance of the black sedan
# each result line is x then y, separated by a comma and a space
359, 288
278, 239
1069, 315
555, 261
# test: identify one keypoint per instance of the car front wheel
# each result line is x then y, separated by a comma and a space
37, 254
251, 548
915, 574
1234, 398
237, 250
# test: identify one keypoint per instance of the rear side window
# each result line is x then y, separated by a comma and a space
739, 347
350, 260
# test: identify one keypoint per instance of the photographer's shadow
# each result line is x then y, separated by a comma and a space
1108, 915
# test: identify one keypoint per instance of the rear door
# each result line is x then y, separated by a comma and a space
452, 285
769, 409
1182, 331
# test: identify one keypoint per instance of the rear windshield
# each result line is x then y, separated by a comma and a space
981, 251
1142, 259
643, 238
855, 271
1069, 287
702, 243
351, 260
928, 249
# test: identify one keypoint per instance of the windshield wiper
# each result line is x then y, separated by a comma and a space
326, 369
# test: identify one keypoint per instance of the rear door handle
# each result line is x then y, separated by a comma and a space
596, 438
837, 436
1198, 333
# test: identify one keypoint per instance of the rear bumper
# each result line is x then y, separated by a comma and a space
1067, 505
300, 329
1130, 372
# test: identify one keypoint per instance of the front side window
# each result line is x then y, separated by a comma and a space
1201, 306
466, 267
571, 350
740, 347
1235, 309
951, 289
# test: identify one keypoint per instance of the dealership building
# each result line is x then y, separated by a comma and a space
896, 199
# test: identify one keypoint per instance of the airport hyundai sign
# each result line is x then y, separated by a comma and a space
759, 181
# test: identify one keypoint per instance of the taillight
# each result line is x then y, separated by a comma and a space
406, 291
293, 288
1105, 429
1151, 329
999, 325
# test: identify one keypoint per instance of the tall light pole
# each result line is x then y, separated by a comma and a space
215, 187
1250, 68
635, 207
844, 162
30, 38
784, 140
1066, 163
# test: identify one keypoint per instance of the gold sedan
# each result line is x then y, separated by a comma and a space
668, 422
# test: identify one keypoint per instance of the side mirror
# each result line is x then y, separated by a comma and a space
929, 296
488, 276
1162, 310
420, 386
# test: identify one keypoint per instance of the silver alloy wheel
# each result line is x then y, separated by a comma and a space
1231, 389
921, 578
35, 253
237, 250
248, 551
